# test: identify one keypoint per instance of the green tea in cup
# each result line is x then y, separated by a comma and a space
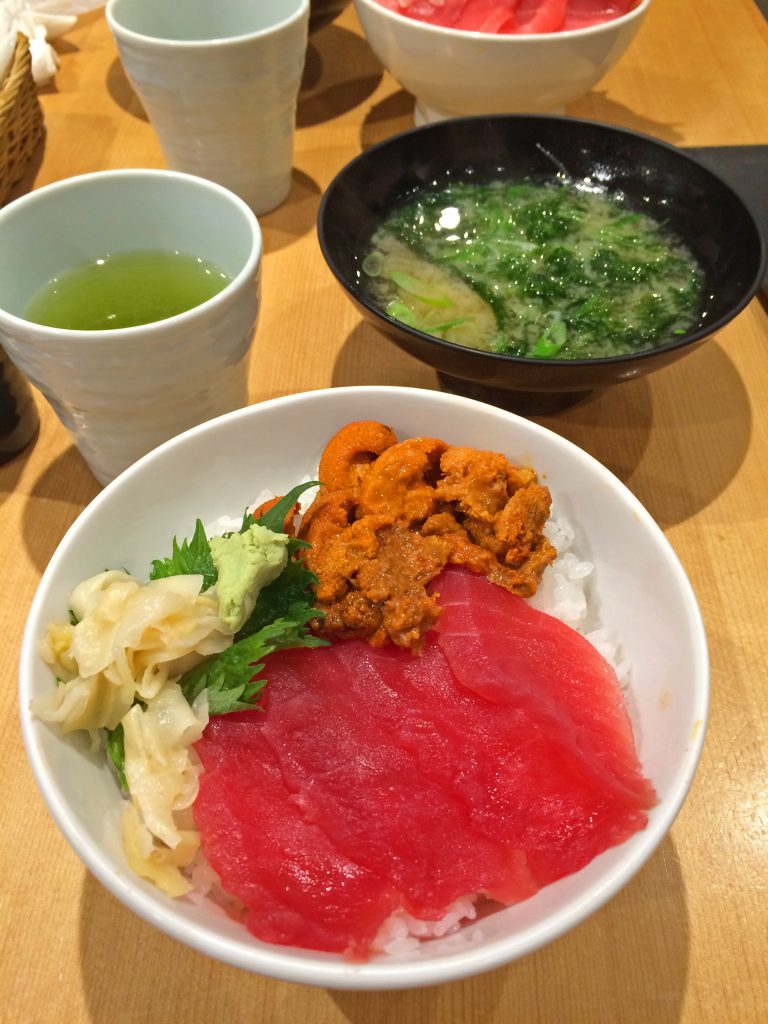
125, 289
151, 280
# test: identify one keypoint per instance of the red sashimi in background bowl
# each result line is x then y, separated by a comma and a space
512, 17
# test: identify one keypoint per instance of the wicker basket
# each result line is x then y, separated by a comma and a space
21, 119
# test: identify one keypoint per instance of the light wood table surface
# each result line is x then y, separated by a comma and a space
687, 939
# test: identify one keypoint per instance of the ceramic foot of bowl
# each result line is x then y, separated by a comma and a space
423, 113
524, 403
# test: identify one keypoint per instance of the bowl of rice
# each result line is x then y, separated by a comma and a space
460, 58
615, 585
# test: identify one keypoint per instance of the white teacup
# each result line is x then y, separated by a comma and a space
219, 81
121, 392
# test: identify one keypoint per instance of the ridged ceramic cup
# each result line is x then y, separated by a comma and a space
122, 392
219, 82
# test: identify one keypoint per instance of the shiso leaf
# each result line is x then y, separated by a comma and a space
190, 558
274, 517
230, 677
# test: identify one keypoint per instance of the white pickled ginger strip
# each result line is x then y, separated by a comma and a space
159, 767
158, 864
131, 640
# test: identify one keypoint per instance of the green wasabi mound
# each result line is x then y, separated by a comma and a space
246, 563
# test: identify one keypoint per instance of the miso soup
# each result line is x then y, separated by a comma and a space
544, 271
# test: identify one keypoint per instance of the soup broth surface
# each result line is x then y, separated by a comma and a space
551, 271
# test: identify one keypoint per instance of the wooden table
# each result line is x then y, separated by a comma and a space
687, 939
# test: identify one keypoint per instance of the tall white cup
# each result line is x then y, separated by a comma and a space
219, 81
122, 392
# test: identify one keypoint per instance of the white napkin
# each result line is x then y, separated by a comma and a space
39, 20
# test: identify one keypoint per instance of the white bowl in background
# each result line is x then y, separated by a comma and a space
455, 73
643, 593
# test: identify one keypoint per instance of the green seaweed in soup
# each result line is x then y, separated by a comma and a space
544, 271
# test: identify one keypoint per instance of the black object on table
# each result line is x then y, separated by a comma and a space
18, 413
745, 169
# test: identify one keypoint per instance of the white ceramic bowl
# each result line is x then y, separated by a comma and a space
453, 73
643, 593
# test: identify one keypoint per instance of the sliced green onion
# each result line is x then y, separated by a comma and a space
372, 264
399, 311
418, 288
447, 325
550, 343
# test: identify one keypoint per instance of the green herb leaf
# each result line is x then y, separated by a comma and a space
229, 677
274, 517
189, 558
116, 753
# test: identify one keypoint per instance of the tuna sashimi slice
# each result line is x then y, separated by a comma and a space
298, 887
585, 13
537, 16
517, 767
374, 781
501, 648
512, 16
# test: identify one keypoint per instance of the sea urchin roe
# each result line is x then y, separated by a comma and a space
542, 271
391, 515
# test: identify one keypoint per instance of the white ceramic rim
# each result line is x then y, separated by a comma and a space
129, 35
261, 958
80, 180
510, 38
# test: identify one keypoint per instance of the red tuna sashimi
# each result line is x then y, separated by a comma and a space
444, 14
307, 893
585, 13
493, 16
538, 16
342, 761
496, 645
512, 16
377, 780
518, 769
